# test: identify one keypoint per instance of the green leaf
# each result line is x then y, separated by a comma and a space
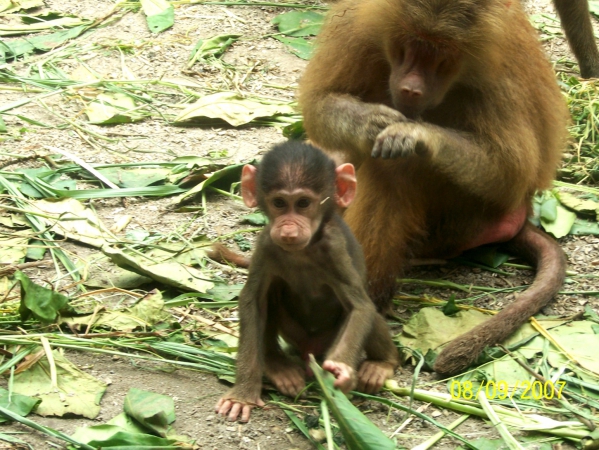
40, 228
590, 314
228, 173
549, 209
150, 308
189, 253
450, 307
430, 329
154, 411
258, 218
295, 130
213, 47
17, 403
579, 340
225, 292
562, 224
153, 7
160, 14
299, 23
72, 219
109, 108
429, 359
584, 227
8, 6
44, 304
233, 109
243, 244
359, 432
12, 439
112, 436
28, 183
117, 277
171, 273
108, 320
75, 392
20, 47
135, 177
127, 423
36, 250
161, 191
14, 246
44, 17
163, 21
31, 25
147, 312
488, 255
577, 204
298, 46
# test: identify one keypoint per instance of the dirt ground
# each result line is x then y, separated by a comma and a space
272, 71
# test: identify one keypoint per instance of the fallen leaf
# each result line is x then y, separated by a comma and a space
108, 108
154, 411
76, 392
579, 339
430, 329
233, 109
168, 273
212, 47
13, 247
148, 311
577, 204
561, 226
299, 23
74, 220
19, 47
17, 403
42, 303
300, 47
160, 14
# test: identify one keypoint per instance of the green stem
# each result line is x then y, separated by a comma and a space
401, 407
228, 194
48, 431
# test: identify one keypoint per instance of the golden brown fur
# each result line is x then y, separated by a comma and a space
478, 133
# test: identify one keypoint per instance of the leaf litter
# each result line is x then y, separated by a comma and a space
152, 141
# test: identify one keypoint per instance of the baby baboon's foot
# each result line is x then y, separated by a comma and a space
288, 377
373, 374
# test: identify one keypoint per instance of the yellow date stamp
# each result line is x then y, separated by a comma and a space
501, 390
